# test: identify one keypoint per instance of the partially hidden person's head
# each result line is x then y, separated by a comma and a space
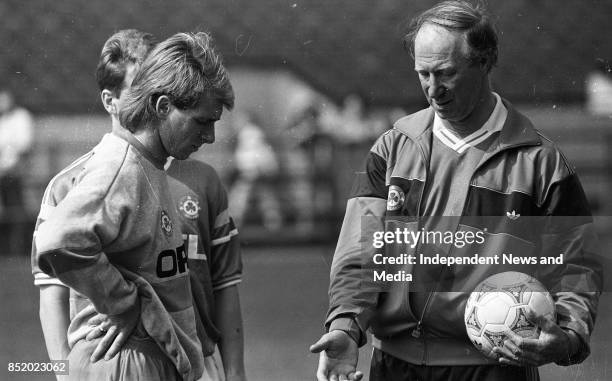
121, 56
180, 91
454, 46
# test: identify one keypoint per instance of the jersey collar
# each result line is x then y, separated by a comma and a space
459, 144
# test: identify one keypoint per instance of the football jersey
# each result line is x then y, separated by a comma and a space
119, 215
209, 232
211, 240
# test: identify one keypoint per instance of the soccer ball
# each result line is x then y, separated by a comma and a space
503, 302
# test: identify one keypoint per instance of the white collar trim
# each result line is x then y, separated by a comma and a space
493, 124
168, 163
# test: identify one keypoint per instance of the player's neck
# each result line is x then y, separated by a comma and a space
149, 138
115, 124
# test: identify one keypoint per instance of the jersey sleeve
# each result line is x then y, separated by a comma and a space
226, 259
56, 191
69, 244
41, 278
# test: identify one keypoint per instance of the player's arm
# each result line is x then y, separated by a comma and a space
226, 274
112, 295
54, 311
69, 247
352, 298
54, 319
228, 319
85, 269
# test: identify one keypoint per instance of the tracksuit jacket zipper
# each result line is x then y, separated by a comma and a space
417, 332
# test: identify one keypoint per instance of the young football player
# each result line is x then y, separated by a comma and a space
176, 130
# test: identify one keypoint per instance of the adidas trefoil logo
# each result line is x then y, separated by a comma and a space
513, 216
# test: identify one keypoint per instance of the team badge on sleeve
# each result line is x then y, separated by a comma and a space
166, 223
396, 198
190, 207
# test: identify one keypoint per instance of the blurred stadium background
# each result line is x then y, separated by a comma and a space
322, 79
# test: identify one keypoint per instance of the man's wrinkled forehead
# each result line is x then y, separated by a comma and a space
433, 38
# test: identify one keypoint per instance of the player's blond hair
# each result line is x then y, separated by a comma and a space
185, 67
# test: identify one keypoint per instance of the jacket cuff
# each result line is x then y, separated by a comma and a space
350, 326
578, 343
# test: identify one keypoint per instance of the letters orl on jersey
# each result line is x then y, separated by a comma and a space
172, 262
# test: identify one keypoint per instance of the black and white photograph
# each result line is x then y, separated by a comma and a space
330, 190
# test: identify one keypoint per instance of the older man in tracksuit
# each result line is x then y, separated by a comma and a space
469, 162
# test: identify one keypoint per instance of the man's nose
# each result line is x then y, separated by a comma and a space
436, 89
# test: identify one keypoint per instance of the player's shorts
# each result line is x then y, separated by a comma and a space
139, 359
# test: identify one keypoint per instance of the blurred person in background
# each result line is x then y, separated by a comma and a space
257, 170
207, 228
471, 153
299, 165
599, 89
16, 139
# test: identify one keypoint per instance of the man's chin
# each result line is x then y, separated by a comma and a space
443, 114
448, 115
181, 156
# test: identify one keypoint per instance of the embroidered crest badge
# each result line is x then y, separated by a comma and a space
190, 207
166, 223
396, 198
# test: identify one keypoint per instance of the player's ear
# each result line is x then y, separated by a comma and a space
163, 106
108, 101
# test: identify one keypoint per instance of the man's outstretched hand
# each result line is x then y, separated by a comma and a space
338, 357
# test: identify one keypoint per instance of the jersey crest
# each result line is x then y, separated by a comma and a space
396, 198
189, 206
166, 223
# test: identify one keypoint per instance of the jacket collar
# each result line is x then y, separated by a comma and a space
517, 130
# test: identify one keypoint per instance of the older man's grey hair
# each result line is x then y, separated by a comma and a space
470, 18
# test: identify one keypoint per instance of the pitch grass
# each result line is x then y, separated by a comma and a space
284, 299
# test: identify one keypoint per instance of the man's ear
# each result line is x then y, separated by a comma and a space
108, 101
163, 106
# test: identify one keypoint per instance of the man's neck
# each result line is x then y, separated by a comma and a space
115, 125
477, 119
150, 140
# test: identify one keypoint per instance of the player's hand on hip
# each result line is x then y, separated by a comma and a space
554, 344
115, 329
338, 357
